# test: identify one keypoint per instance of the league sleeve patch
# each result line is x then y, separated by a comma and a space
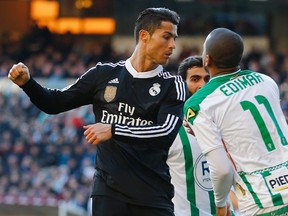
190, 114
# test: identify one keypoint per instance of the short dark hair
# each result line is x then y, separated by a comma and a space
187, 63
150, 19
225, 47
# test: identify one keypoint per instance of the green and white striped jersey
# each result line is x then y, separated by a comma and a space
191, 178
242, 110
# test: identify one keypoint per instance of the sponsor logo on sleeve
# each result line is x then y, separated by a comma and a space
202, 173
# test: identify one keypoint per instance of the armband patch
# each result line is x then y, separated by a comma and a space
190, 114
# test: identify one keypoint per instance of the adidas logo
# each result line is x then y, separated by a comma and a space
114, 81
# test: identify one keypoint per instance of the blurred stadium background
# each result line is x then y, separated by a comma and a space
46, 166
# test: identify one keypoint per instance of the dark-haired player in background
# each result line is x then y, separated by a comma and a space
188, 167
138, 109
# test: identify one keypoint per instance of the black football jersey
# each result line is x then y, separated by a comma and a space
145, 110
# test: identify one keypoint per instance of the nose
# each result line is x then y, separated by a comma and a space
201, 83
172, 44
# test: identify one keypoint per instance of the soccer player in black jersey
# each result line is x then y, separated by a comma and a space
138, 112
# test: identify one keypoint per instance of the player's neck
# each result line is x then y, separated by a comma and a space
223, 71
141, 63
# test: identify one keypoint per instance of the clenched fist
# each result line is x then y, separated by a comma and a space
19, 74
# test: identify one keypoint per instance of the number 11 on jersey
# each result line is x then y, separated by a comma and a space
247, 105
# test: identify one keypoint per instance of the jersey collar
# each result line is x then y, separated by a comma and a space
146, 74
225, 75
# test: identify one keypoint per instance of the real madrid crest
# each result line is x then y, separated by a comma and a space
110, 93
155, 89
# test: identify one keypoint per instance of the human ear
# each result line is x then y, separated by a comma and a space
207, 60
144, 35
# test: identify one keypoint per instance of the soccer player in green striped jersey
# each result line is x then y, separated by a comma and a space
188, 166
241, 129
193, 192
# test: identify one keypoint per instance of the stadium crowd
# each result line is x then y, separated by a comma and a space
46, 155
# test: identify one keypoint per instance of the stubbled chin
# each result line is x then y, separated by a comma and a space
165, 61
162, 61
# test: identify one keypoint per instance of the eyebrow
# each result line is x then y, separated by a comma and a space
195, 76
172, 35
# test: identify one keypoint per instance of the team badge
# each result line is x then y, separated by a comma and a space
110, 93
155, 89
190, 113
